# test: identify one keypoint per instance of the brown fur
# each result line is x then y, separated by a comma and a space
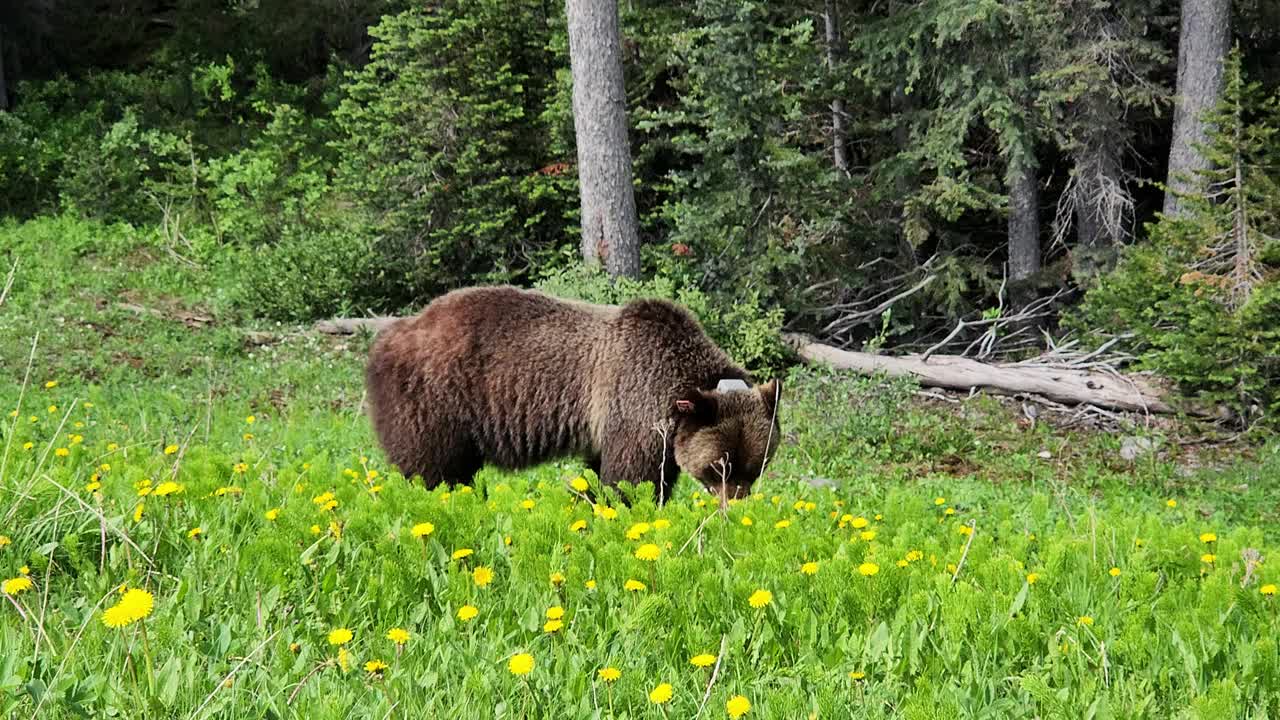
516, 377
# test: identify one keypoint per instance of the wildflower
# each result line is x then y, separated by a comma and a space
914, 555
482, 576
375, 667
1032, 578
339, 636
521, 664
76, 439
295, 647
1084, 620
1208, 537
134, 605
965, 529
858, 523
462, 553
1268, 589
760, 598
702, 660
609, 674
660, 694
194, 532
782, 524
315, 529
1171, 503
170, 449
527, 504
106, 467
335, 529
579, 484
809, 568
24, 570
422, 530
555, 612
4, 540
93, 485
28, 445
939, 501
552, 626
1208, 558
556, 578
466, 613
606, 512
344, 659
949, 511
661, 524
49, 385
398, 636
879, 517
228, 490
867, 569
53, 409
272, 514
857, 675
810, 506
1114, 572
578, 525
648, 552
250, 420
167, 488
590, 584
62, 452
867, 535
240, 468
746, 521
737, 706
633, 586
637, 530
137, 512
13, 586
902, 563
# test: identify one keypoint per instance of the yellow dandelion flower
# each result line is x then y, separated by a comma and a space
857, 675
1032, 578
53, 409
344, 659
648, 552
915, 555
339, 636
1208, 558
1208, 537
590, 584
867, 535
250, 420
398, 636
702, 660
633, 586
375, 667
660, 694
24, 570
867, 569
422, 530
527, 504
482, 576
5, 540
115, 617
466, 613
136, 604
195, 532
964, 529
13, 586
137, 512
746, 521
809, 568
782, 524
555, 612
51, 384
939, 501
609, 674
637, 530
1171, 503
810, 506
167, 488
315, 529
93, 485
737, 706
1084, 620
170, 449
1114, 572
578, 525
661, 524
556, 578
62, 452
607, 512
272, 514
579, 484
760, 598
462, 553
520, 664
552, 626
902, 563
1268, 589
858, 523
28, 445
949, 511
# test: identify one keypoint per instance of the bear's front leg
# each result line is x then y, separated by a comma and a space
638, 463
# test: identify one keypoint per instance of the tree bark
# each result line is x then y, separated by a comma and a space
835, 49
610, 235
1064, 385
1024, 220
1202, 47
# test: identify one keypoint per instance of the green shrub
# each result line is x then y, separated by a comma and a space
749, 332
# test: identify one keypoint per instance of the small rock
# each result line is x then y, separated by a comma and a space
821, 482
1133, 446
1044, 455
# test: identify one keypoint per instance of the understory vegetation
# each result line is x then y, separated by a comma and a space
197, 522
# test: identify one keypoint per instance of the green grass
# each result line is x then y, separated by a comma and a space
254, 599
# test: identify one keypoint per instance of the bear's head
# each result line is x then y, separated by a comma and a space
724, 439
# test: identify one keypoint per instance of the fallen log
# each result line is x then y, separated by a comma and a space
351, 326
1061, 384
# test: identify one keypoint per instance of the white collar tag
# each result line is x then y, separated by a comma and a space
730, 385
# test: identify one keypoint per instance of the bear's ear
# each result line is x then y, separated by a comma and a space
698, 406
770, 393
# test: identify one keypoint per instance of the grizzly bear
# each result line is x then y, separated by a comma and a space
516, 377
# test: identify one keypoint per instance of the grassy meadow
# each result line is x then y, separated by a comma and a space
195, 522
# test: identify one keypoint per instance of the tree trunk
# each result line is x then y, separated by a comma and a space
835, 48
1101, 205
610, 235
1024, 220
1202, 46
4, 87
